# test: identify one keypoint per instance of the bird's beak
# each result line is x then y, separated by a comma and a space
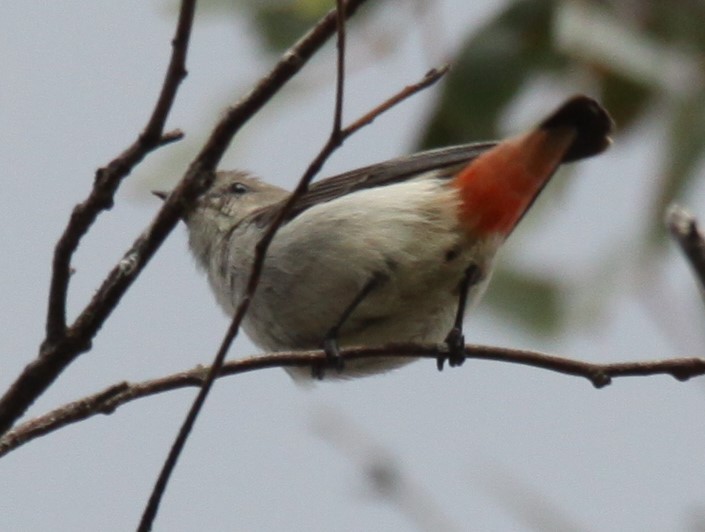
161, 194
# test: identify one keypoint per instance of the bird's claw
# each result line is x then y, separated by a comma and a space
333, 359
455, 342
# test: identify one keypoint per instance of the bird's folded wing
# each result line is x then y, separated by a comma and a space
445, 161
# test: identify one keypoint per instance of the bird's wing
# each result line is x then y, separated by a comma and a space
445, 161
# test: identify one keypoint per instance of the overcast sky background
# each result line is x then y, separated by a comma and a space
488, 446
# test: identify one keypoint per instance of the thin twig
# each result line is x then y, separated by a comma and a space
108, 178
117, 395
685, 229
431, 77
55, 356
340, 74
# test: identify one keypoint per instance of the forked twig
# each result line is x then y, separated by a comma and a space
61, 345
108, 178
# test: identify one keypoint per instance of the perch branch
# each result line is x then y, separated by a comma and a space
115, 396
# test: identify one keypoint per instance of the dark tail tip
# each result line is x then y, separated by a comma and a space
591, 121
160, 194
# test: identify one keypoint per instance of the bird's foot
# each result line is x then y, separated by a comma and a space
333, 359
455, 342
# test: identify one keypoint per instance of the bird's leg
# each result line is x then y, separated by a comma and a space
455, 339
330, 341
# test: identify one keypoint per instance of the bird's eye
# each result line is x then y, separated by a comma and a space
238, 189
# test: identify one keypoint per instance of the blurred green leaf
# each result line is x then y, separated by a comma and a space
278, 22
532, 301
679, 22
626, 99
489, 71
281, 23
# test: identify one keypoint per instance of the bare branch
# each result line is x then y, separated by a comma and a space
340, 75
685, 229
108, 178
61, 346
108, 400
431, 77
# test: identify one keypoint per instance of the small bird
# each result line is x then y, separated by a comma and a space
393, 252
